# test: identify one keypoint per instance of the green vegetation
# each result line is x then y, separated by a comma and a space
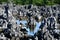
34, 2
3, 1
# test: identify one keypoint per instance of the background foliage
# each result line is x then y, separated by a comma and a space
34, 2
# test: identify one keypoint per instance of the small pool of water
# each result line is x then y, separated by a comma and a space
30, 32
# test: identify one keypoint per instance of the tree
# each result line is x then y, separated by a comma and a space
50, 2
23, 2
57, 1
38, 2
34, 2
